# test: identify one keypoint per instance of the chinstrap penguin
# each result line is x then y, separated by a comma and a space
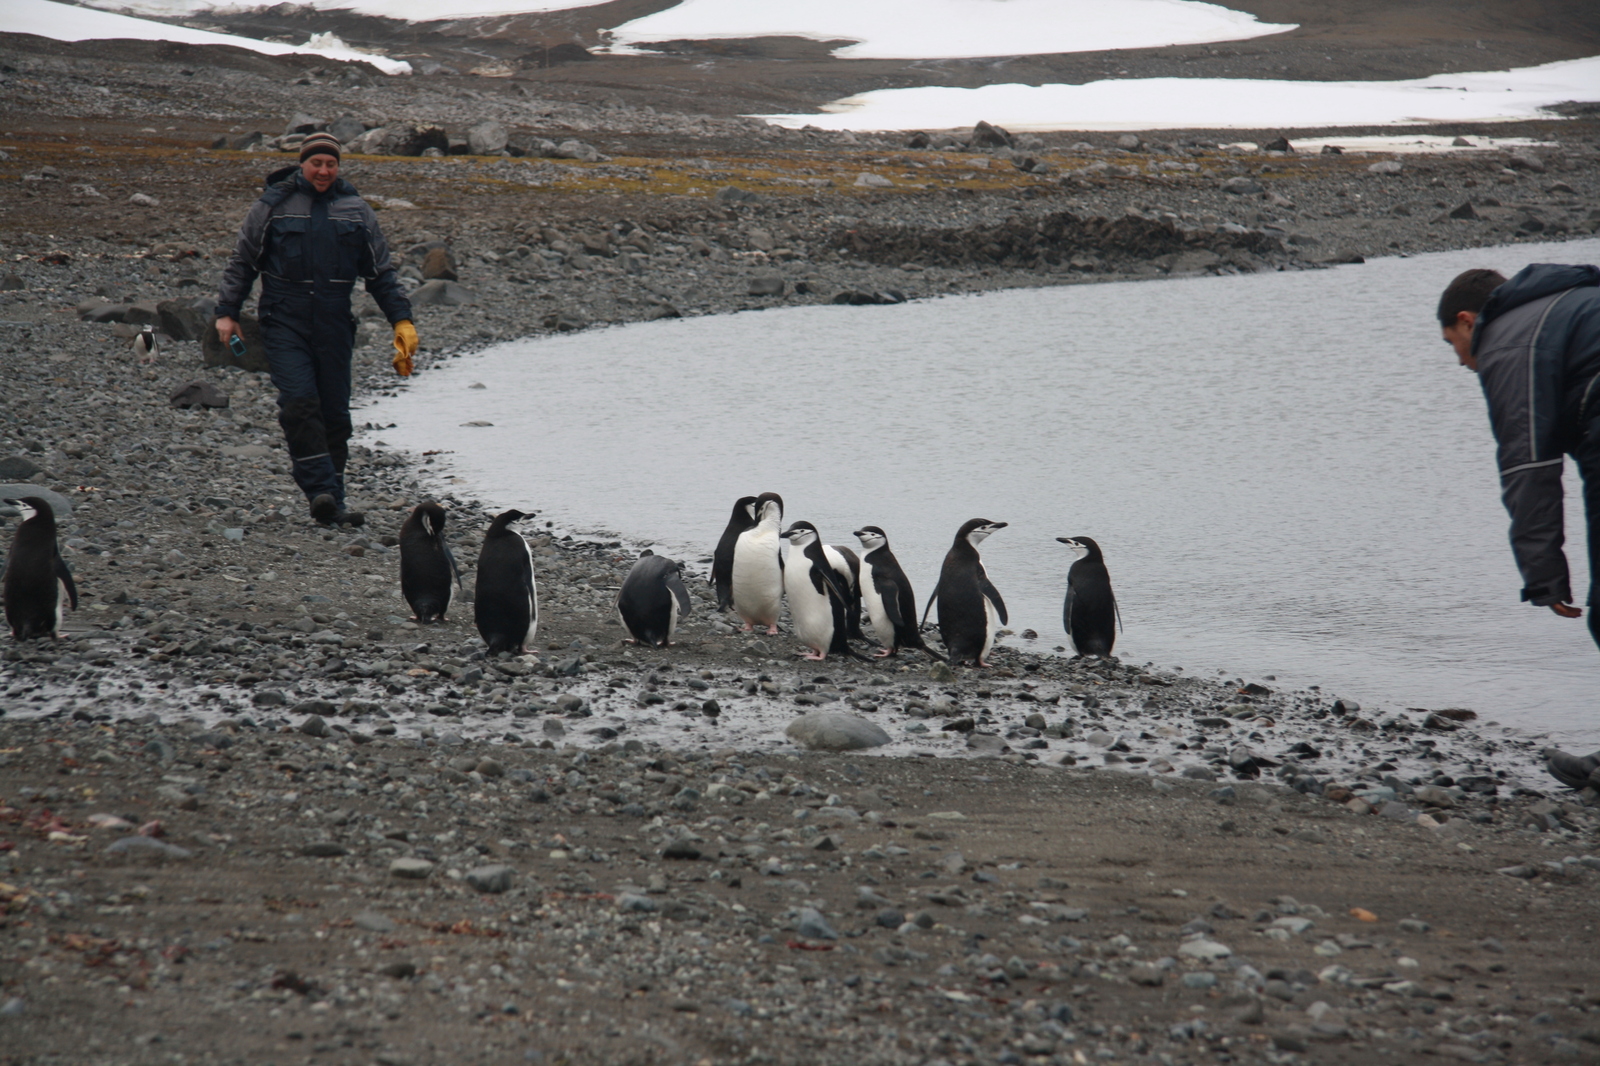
505, 599
426, 565
653, 599
743, 518
1090, 614
969, 604
757, 575
36, 583
818, 597
146, 348
847, 564
887, 595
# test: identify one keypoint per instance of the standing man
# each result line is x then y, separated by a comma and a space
1534, 342
309, 237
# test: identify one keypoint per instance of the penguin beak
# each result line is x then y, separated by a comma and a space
1066, 540
998, 525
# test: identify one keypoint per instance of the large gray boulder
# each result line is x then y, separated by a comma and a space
17, 490
835, 731
347, 128
413, 138
368, 143
486, 138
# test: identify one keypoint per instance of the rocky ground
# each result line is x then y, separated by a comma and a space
250, 813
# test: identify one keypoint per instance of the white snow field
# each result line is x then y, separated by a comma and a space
1217, 103
882, 29
409, 10
950, 29
65, 22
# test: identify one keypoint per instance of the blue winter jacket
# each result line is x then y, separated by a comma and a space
306, 244
1537, 342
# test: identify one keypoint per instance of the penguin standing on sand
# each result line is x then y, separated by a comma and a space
887, 595
36, 582
818, 597
743, 518
969, 604
653, 599
505, 601
426, 565
1090, 614
757, 575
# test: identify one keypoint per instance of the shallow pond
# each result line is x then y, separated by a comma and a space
1288, 473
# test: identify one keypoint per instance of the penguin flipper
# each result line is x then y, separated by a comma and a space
927, 607
889, 594
1117, 607
680, 592
454, 569
992, 594
65, 576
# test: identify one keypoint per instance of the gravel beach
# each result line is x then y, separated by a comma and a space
250, 813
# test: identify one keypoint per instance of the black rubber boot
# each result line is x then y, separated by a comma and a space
324, 509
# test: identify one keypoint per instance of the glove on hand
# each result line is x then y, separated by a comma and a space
405, 346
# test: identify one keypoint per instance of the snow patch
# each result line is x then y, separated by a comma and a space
949, 29
66, 22
409, 10
1217, 103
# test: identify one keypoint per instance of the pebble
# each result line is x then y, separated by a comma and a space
411, 869
491, 879
145, 848
813, 926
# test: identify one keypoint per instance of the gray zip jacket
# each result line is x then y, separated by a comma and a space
307, 245
1537, 342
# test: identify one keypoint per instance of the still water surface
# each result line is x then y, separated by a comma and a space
1288, 473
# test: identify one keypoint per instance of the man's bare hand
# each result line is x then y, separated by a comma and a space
226, 327
1566, 610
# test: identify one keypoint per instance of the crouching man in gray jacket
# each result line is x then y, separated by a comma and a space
1534, 342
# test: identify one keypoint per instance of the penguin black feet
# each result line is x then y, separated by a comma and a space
1574, 771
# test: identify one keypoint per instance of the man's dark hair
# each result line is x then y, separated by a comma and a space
1468, 292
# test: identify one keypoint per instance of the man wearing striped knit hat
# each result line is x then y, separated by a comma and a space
309, 237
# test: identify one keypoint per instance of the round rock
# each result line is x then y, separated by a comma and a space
835, 731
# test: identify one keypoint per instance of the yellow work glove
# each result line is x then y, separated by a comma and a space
405, 346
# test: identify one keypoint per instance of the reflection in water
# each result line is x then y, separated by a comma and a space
1288, 473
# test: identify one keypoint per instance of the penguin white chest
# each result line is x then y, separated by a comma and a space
811, 610
991, 623
757, 577
533, 595
876, 612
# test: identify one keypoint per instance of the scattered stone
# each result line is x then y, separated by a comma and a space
813, 926
835, 731
145, 848
411, 869
491, 879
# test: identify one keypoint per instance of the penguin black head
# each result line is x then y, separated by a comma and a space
745, 508
431, 514
504, 519
1082, 547
33, 507
871, 537
769, 501
800, 534
975, 530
